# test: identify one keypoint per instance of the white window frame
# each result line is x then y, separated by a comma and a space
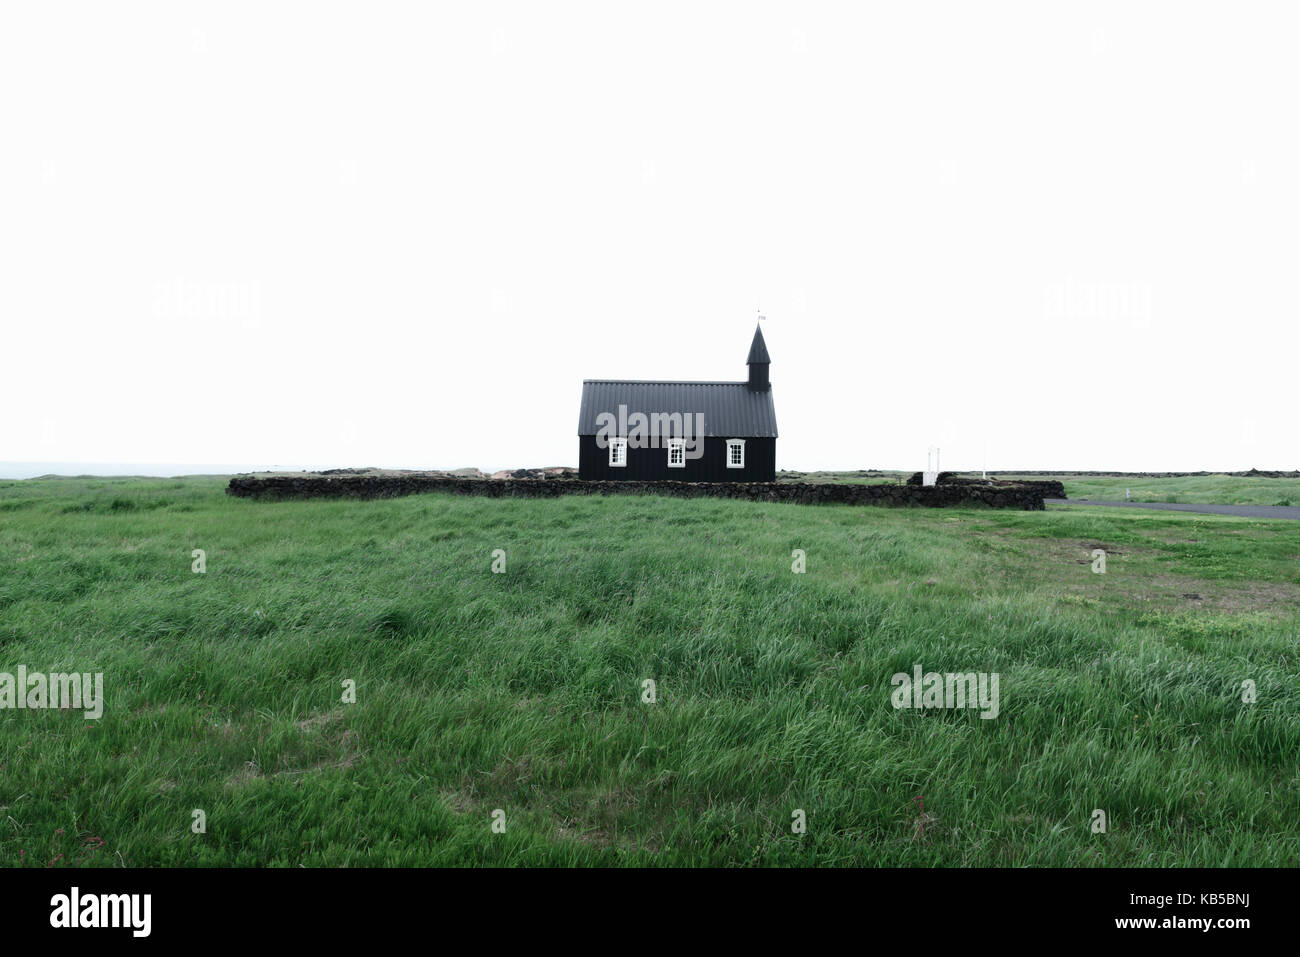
678, 446
618, 453
732, 444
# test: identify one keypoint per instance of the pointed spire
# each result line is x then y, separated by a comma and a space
758, 350
758, 362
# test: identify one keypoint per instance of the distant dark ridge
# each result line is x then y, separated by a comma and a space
366, 486
1253, 473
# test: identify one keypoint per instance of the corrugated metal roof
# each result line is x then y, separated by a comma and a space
730, 409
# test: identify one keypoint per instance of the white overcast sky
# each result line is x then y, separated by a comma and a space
312, 234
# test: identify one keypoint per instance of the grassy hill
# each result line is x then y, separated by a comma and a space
522, 691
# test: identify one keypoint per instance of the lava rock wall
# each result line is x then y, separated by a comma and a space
958, 495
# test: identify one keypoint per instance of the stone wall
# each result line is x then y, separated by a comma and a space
366, 486
943, 478
1050, 488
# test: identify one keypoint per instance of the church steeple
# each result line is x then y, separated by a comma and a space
758, 362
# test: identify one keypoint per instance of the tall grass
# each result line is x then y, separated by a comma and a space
522, 691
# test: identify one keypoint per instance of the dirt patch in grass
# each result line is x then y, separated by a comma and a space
247, 774
593, 819
322, 732
1046, 554
321, 719
512, 773
1056, 563
1183, 593
586, 815
1277, 597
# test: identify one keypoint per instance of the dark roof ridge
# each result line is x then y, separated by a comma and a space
669, 381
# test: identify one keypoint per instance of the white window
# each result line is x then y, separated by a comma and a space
618, 453
735, 453
677, 453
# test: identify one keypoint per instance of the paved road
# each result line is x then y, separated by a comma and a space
1244, 511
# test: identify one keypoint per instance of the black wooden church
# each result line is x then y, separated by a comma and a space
725, 431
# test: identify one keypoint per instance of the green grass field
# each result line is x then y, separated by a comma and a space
1191, 489
522, 691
